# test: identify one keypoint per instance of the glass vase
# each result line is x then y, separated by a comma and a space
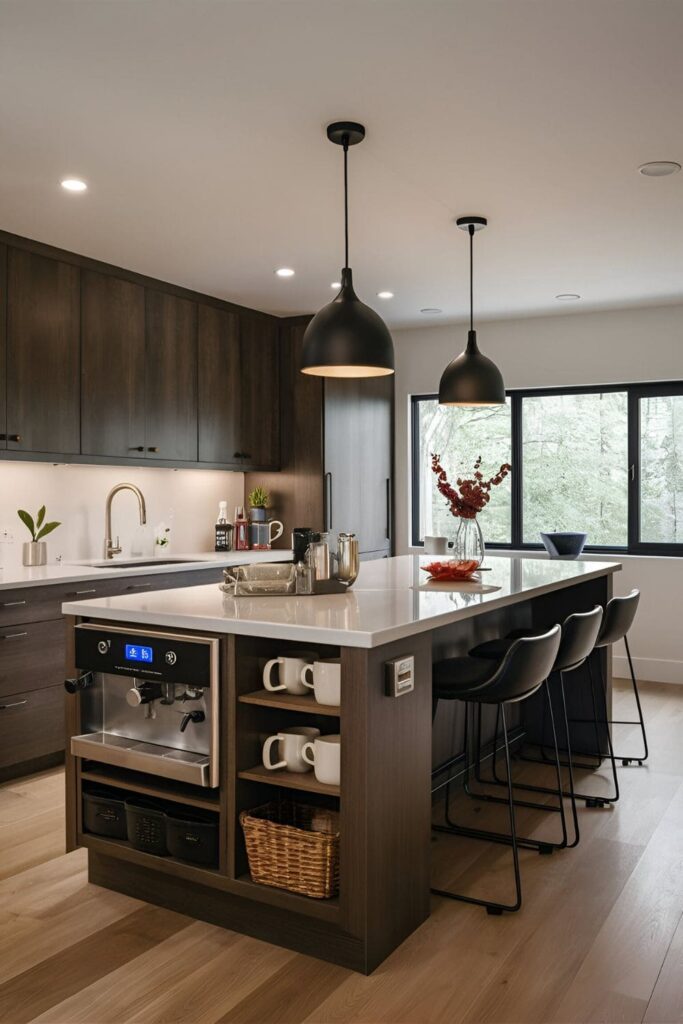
468, 542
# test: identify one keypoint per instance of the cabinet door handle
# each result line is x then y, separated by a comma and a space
3, 437
13, 604
138, 586
389, 508
137, 448
237, 455
79, 592
15, 704
328, 502
14, 437
13, 636
246, 455
153, 449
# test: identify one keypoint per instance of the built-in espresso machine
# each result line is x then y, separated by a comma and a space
149, 701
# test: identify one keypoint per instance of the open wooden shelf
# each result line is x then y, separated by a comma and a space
138, 782
326, 910
304, 781
122, 849
288, 702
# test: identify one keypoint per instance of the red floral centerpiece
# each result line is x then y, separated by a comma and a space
469, 496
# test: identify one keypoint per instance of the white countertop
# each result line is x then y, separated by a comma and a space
384, 604
73, 572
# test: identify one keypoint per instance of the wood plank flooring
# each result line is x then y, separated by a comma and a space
599, 938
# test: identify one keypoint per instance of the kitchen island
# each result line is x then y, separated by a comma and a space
383, 797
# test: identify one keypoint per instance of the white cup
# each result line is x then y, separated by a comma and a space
289, 668
436, 545
324, 753
292, 742
324, 678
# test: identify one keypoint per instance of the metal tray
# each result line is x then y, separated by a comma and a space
268, 579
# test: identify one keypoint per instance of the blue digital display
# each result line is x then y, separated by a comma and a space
136, 653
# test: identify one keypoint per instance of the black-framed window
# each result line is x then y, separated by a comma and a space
607, 460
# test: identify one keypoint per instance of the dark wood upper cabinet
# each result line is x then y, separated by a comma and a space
218, 368
259, 392
170, 377
3, 346
43, 393
112, 366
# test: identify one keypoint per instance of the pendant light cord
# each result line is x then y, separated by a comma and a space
471, 231
346, 202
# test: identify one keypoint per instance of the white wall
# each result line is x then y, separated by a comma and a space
185, 499
615, 347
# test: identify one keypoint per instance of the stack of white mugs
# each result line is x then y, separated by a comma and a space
301, 748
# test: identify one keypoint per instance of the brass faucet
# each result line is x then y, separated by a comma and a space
111, 549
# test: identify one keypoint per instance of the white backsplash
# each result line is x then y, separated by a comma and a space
184, 499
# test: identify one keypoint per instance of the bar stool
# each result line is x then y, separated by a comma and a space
619, 615
521, 672
580, 632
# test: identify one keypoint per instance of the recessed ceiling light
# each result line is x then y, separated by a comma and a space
336, 285
567, 296
73, 185
659, 168
284, 272
385, 295
430, 310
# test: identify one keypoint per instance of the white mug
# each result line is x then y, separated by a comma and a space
292, 742
289, 668
324, 678
273, 525
436, 545
324, 753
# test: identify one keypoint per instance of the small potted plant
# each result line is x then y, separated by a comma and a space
258, 505
35, 549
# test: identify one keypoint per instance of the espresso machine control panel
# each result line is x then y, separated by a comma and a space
165, 658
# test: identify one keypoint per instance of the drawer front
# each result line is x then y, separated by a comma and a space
31, 725
32, 656
38, 604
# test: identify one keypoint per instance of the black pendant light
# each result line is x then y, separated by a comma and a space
346, 338
471, 378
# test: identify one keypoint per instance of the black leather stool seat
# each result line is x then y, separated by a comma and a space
495, 650
455, 676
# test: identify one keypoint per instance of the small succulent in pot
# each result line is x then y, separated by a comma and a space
258, 504
35, 550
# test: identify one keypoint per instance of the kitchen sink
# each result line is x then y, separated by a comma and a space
136, 563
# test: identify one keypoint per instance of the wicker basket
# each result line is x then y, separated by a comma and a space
293, 846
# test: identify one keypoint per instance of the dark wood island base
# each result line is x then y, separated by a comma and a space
383, 799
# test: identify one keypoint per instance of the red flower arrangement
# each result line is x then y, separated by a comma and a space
473, 493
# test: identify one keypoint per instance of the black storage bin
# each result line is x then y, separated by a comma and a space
146, 826
104, 814
192, 836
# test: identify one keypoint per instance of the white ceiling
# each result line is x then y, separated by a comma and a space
199, 127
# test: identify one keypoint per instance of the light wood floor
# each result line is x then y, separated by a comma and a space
600, 936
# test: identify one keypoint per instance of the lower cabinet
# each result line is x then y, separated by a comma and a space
33, 656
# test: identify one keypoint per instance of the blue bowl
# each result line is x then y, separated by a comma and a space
564, 545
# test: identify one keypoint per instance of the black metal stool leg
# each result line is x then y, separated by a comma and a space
600, 801
641, 720
543, 847
491, 906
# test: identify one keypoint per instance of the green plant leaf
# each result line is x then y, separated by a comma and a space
27, 520
48, 528
40, 517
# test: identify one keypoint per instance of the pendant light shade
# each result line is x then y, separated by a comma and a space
471, 378
346, 338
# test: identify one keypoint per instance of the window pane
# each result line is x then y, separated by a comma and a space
459, 436
575, 466
661, 469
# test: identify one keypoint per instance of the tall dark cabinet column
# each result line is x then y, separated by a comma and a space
3, 347
112, 366
43, 347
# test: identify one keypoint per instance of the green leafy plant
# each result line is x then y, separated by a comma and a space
259, 498
38, 528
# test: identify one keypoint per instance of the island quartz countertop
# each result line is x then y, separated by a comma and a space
388, 602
